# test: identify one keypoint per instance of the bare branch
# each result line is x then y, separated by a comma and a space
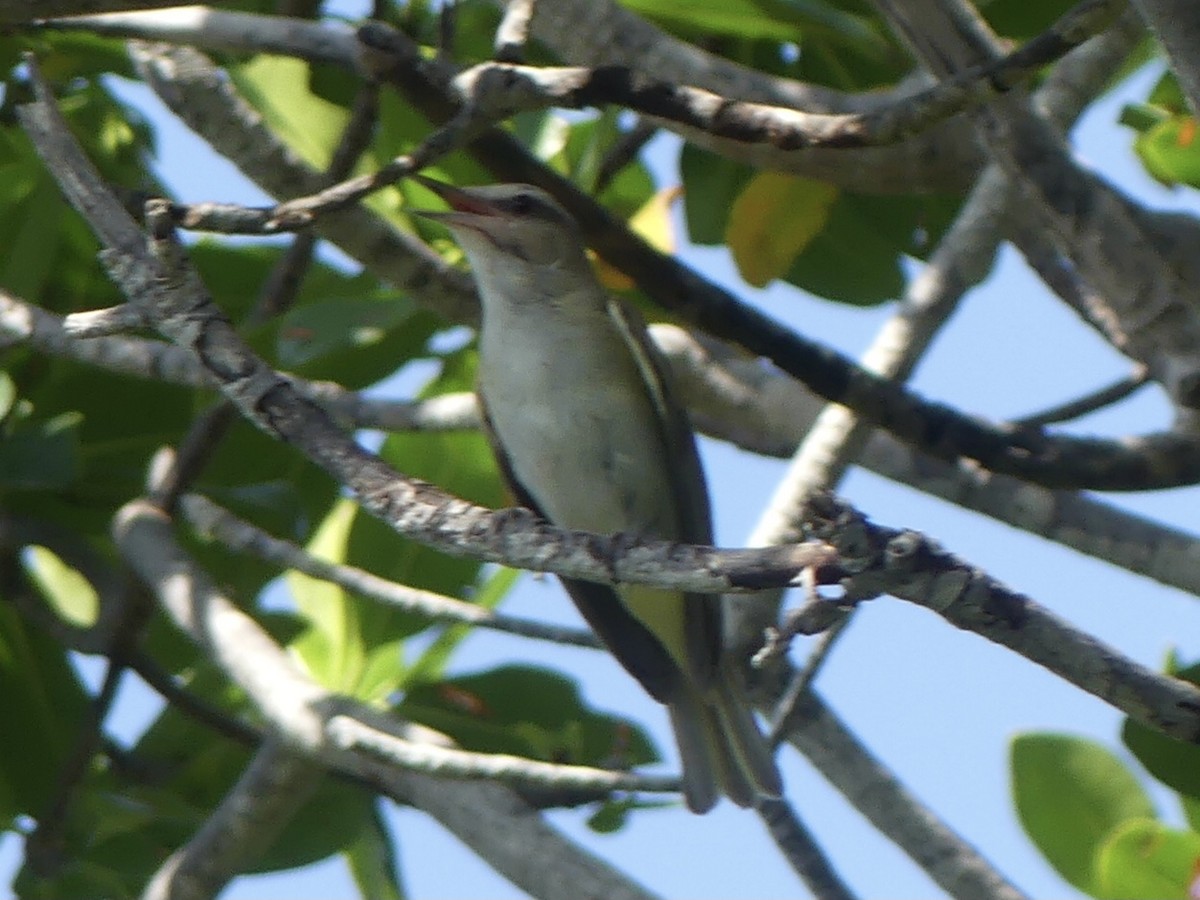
235, 32
952, 863
142, 358
940, 161
800, 848
192, 87
266, 796
1177, 27
1144, 462
17, 11
501, 828
1090, 402
912, 567
208, 518
513, 32
497, 91
601, 33
757, 407
963, 257
157, 277
350, 732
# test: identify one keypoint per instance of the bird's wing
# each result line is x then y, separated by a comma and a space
632, 643
702, 625
688, 485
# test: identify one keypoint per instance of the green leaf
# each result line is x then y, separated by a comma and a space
529, 712
859, 256
1145, 859
711, 185
41, 456
431, 665
353, 340
342, 327
279, 88
1167, 133
8, 395
1174, 762
67, 55
1070, 795
1141, 116
31, 248
611, 816
65, 589
745, 18
332, 647
42, 697
372, 861
1169, 150
328, 823
1167, 95
1191, 811
773, 219
1022, 20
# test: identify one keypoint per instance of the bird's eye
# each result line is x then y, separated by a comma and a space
522, 204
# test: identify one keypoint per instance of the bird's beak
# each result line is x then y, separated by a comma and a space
465, 205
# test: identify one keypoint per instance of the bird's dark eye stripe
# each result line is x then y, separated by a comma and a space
527, 204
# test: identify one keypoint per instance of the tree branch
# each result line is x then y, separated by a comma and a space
827, 743
910, 566
249, 818
498, 91
502, 828
240, 536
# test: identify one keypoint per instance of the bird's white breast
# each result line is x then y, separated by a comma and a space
579, 431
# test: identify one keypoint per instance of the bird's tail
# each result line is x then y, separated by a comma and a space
721, 748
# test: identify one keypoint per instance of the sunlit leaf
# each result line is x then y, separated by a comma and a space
371, 858
1071, 794
1174, 762
529, 712
653, 223
1145, 859
1170, 150
67, 591
773, 220
332, 648
278, 87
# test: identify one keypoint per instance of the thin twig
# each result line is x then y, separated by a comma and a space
801, 682
237, 534
1090, 402
623, 151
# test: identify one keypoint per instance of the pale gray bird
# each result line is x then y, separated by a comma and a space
585, 429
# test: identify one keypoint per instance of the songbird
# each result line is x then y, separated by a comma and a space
585, 428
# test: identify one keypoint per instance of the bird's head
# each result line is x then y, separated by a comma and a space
510, 225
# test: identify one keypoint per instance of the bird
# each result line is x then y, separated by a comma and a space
580, 413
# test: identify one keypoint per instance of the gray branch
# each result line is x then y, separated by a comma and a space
1176, 24
240, 536
910, 566
257, 808
829, 744
503, 830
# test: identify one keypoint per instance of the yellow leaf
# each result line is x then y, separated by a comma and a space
773, 220
653, 223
